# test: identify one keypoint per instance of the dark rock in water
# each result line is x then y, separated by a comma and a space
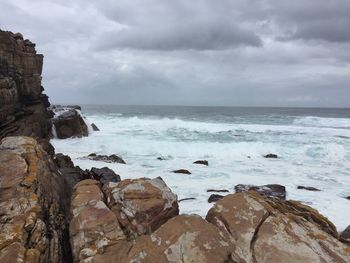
186, 199
70, 124
94, 127
214, 198
161, 158
271, 155
309, 188
182, 171
345, 235
105, 175
274, 190
348, 197
105, 158
218, 191
23, 105
203, 162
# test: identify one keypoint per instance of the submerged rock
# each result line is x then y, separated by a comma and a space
274, 190
203, 162
105, 158
309, 188
271, 155
182, 171
265, 229
214, 198
218, 190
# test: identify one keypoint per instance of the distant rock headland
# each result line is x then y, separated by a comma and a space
53, 211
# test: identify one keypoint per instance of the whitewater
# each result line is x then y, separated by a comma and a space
313, 146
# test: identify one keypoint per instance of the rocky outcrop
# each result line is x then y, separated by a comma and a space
104, 175
33, 204
214, 198
274, 190
23, 106
202, 162
271, 155
308, 188
182, 171
265, 229
141, 205
69, 123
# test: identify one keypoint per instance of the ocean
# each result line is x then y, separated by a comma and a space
313, 146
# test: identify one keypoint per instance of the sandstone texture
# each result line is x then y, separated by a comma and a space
33, 204
23, 106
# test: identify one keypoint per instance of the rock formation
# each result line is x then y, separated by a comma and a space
33, 204
23, 106
275, 190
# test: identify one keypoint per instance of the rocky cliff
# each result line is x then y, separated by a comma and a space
23, 106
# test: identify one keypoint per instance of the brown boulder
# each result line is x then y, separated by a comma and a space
274, 190
265, 229
141, 205
106, 158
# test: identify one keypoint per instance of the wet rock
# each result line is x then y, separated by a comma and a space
33, 204
346, 234
161, 158
182, 171
265, 229
69, 123
93, 227
141, 205
94, 127
214, 198
203, 162
105, 158
185, 238
271, 155
186, 199
218, 190
348, 197
105, 175
274, 190
309, 188
23, 105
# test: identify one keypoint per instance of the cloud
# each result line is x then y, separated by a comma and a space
200, 52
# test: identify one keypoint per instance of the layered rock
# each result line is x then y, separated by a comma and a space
33, 204
267, 229
23, 106
141, 205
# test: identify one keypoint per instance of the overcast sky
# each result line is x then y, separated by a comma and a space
197, 52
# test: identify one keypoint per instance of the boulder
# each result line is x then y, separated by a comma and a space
309, 188
141, 205
218, 190
94, 127
104, 175
345, 235
182, 171
105, 158
265, 229
271, 155
274, 190
186, 199
93, 227
184, 238
203, 162
214, 198
69, 123
33, 204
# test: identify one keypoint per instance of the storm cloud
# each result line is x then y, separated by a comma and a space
201, 52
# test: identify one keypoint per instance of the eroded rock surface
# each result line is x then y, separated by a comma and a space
33, 204
267, 229
141, 205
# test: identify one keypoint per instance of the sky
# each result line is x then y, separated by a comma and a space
181, 52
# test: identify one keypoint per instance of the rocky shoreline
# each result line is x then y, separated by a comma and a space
53, 211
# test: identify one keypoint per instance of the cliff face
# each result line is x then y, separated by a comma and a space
23, 106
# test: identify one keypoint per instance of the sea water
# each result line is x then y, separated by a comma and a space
313, 146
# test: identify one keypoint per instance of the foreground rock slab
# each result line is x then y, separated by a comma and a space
141, 205
267, 229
